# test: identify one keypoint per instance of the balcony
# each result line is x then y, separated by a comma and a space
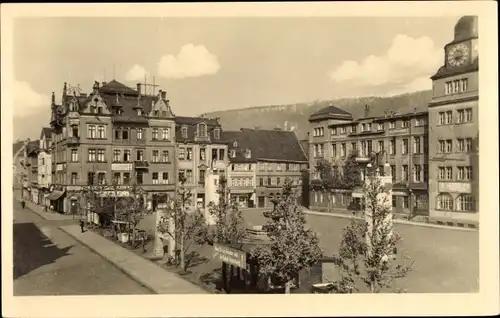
73, 140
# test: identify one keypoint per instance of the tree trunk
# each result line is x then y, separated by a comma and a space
288, 286
181, 248
372, 287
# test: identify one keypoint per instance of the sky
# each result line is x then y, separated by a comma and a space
208, 64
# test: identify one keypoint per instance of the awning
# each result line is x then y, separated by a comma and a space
55, 195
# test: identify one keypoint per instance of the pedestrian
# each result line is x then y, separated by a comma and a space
23, 204
81, 226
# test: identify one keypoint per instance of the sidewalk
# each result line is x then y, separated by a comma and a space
51, 216
144, 271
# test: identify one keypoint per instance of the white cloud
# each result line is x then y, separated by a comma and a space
407, 60
136, 73
27, 100
191, 61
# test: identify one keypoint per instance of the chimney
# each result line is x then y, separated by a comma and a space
65, 88
139, 88
163, 94
53, 98
95, 88
367, 110
103, 83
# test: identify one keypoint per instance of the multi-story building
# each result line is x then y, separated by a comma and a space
115, 135
260, 161
453, 133
397, 138
31, 162
44, 166
200, 152
19, 171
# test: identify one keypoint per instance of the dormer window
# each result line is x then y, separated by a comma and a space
99, 110
235, 144
217, 133
139, 112
163, 114
232, 153
248, 154
184, 132
156, 113
202, 130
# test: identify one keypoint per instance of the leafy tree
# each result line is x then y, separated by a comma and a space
182, 222
329, 179
229, 224
351, 177
368, 247
292, 247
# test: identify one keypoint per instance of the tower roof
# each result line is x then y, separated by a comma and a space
466, 28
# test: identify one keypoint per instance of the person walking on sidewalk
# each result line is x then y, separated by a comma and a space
81, 226
23, 204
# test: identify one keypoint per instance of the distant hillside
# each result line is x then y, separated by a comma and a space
296, 115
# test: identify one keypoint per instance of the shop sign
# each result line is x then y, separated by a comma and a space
121, 166
457, 187
230, 255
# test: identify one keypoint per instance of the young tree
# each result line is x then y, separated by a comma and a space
229, 224
330, 180
351, 177
292, 247
367, 250
183, 223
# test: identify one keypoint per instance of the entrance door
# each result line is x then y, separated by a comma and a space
74, 207
262, 202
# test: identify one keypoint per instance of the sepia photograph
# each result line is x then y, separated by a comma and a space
200, 154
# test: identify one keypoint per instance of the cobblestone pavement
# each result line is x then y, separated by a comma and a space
48, 261
446, 260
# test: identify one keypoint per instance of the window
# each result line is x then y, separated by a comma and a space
139, 133
126, 155
101, 132
445, 118
165, 134
202, 154
404, 148
202, 130
318, 132
405, 123
118, 134
164, 178
465, 202
189, 154
189, 176
216, 133
444, 202
140, 155
464, 83
334, 150
202, 177
155, 133
405, 203
394, 201
100, 155
353, 128
165, 156
279, 167
126, 178
139, 177
248, 154
364, 150
184, 132
392, 146
353, 147
116, 178
342, 130
214, 154
426, 172
74, 155
90, 178
445, 173
92, 155
101, 178
269, 181
393, 172
421, 202
74, 178
464, 145
380, 126
125, 134
116, 155
380, 145
392, 124
464, 115
449, 146
156, 157
182, 153
155, 178
91, 131
420, 122
416, 145
417, 172
404, 172
261, 182
333, 131
343, 150
445, 146
456, 86
464, 173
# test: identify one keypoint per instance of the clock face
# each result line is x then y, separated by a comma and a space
458, 55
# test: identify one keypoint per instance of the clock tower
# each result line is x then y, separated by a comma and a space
453, 130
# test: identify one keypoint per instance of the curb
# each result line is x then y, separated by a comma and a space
397, 221
123, 270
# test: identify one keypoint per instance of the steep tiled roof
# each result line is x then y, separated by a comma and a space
114, 87
47, 132
276, 145
330, 112
191, 124
17, 146
32, 146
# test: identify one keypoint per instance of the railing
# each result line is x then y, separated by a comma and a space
73, 140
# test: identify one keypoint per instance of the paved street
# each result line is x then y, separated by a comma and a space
47, 261
446, 260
